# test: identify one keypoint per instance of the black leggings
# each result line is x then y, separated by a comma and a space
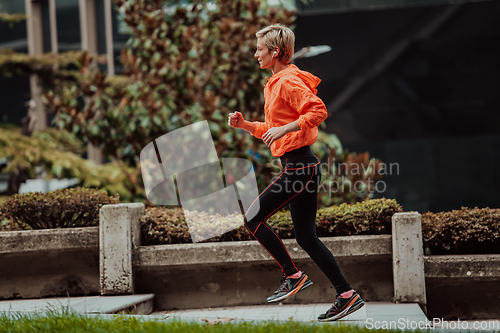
297, 186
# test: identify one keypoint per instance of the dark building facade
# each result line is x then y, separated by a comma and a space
417, 87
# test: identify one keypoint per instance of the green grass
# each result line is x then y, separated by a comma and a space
70, 322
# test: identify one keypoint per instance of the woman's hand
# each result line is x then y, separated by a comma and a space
273, 134
235, 120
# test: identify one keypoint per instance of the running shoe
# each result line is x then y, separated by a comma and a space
289, 287
342, 307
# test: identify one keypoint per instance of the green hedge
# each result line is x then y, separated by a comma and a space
161, 225
464, 231
74, 207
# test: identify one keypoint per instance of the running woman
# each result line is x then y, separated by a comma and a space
293, 113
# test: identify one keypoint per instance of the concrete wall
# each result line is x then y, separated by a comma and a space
463, 286
211, 286
51, 262
243, 273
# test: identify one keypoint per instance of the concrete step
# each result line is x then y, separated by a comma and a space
126, 304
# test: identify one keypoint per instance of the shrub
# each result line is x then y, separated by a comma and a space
57, 153
346, 177
372, 217
161, 225
5, 224
182, 65
464, 231
75, 207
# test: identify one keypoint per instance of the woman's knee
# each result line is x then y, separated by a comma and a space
252, 224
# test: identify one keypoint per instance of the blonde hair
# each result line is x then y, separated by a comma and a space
281, 37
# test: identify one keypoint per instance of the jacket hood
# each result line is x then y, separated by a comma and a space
309, 79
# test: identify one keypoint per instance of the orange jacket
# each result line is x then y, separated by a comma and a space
291, 95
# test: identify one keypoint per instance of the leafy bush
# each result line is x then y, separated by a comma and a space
186, 66
464, 231
345, 177
57, 152
183, 64
161, 225
51, 69
75, 207
372, 217
5, 224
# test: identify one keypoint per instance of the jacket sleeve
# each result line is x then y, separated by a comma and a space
260, 129
310, 107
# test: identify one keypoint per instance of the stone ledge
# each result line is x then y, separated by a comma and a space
470, 266
25, 241
252, 252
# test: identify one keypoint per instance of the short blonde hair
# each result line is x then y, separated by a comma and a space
281, 37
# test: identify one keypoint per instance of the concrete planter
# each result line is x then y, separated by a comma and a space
243, 273
110, 260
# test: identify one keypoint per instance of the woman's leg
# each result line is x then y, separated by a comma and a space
279, 193
303, 209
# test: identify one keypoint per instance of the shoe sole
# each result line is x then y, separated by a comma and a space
344, 313
293, 292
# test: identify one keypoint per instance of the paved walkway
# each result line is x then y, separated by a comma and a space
307, 313
372, 315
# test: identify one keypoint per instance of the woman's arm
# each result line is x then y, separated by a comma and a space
248, 126
236, 120
312, 111
275, 133
255, 128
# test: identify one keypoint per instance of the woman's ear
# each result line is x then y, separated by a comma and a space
276, 52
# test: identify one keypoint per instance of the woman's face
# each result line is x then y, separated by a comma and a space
262, 54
